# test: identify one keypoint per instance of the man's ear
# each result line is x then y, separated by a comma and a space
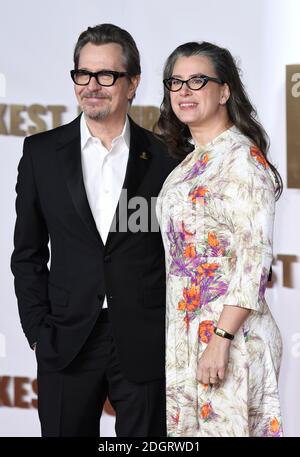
134, 82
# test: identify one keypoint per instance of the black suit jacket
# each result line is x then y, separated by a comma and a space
59, 305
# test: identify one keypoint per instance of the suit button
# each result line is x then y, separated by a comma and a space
107, 258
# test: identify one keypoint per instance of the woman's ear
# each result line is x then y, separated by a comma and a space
225, 94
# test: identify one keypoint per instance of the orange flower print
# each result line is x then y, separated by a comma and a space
258, 155
197, 169
215, 245
190, 251
191, 298
212, 240
207, 413
273, 428
187, 322
198, 194
205, 158
181, 305
206, 329
207, 269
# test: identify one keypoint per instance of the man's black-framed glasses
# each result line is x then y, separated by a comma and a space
194, 83
104, 78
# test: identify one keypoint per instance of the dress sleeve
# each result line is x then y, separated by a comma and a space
249, 199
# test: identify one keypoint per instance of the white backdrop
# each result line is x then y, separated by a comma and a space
37, 41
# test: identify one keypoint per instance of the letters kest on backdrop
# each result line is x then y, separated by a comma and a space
22, 120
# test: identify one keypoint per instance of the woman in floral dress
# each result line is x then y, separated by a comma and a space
216, 212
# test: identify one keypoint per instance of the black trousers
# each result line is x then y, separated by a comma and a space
70, 402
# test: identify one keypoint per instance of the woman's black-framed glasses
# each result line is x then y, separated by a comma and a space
194, 83
104, 78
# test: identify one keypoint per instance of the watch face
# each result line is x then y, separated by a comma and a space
223, 333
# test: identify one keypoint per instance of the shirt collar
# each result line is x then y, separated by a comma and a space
86, 135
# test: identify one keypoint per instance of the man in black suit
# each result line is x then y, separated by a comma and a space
96, 316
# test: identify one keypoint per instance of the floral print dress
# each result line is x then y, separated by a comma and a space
216, 213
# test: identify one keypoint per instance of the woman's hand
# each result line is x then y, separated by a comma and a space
214, 360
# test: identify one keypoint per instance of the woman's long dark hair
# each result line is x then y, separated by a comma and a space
240, 110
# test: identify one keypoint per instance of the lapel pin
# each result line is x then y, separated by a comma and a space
144, 156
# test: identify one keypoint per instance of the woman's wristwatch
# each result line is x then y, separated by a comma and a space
220, 332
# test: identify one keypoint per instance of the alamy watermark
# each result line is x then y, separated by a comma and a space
137, 214
295, 91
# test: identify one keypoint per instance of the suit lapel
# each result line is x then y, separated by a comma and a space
138, 161
69, 154
137, 166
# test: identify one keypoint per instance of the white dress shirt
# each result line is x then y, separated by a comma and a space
103, 175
